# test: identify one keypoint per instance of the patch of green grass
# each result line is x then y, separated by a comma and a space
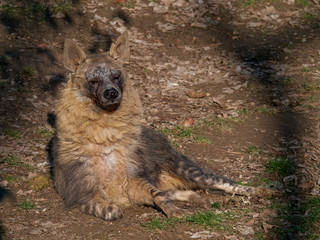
254, 150
302, 3
165, 131
267, 181
242, 112
26, 205
248, 184
223, 124
202, 139
11, 160
281, 166
259, 236
8, 12
304, 222
159, 223
62, 6
307, 86
14, 161
38, 11
313, 98
10, 178
46, 132
12, 133
128, 4
207, 220
249, 3
216, 205
184, 132
211, 220
264, 110
27, 72
309, 16
312, 210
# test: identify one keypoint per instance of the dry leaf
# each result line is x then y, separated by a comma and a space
188, 123
194, 94
266, 227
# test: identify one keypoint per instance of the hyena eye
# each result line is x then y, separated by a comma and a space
117, 78
94, 82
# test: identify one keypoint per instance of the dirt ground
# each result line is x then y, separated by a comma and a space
233, 84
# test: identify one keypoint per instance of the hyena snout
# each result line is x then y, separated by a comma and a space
111, 93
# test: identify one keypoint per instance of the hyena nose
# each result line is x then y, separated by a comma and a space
111, 93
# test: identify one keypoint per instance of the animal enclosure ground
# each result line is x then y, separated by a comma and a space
233, 84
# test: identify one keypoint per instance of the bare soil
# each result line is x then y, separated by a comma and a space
234, 84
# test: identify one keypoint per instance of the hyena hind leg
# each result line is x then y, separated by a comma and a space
188, 196
99, 208
141, 191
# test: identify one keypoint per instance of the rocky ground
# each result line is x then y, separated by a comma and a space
233, 84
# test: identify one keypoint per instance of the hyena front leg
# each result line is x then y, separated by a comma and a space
144, 192
100, 208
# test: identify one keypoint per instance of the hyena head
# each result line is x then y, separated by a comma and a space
99, 77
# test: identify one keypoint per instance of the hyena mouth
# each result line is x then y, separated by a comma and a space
108, 107
112, 107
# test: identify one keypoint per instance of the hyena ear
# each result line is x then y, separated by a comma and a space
73, 55
120, 49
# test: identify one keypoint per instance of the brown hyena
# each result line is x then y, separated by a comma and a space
104, 158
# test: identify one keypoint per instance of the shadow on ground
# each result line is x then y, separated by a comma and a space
260, 53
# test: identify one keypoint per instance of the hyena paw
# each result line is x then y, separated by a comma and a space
177, 212
111, 213
102, 210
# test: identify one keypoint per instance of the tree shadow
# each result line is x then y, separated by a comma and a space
260, 56
50, 146
102, 39
4, 193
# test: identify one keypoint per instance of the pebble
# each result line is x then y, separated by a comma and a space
245, 230
37, 231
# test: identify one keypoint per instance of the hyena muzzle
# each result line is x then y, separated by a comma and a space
105, 159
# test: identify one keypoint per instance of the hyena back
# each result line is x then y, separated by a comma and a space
104, 158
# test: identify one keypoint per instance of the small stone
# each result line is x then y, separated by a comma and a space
204, 235
4, 183
315, 192
58, 15
46, 224
232, 237
245, 230
179, 3
160, 9
268, 213
254, 25
199, 25
99, 18
37, 231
